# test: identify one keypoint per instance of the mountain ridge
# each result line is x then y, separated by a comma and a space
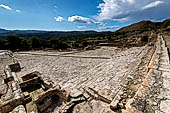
138, 27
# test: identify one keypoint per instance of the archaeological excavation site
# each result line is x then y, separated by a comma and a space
104, 79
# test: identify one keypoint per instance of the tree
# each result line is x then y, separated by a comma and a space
35, 42
54, 43
44, 43
13, 42
2, 44
24, 44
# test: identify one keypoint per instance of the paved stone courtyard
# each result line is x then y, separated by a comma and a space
129, 80
103, 69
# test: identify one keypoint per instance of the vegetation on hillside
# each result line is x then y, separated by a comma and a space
14, 42
135, 34
165, 23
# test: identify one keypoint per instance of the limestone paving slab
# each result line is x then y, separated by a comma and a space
165, 106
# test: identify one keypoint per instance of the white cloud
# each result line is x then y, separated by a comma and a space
81, 27
133, 10
59, 18
108, 27
18, 10
153, 4
5, 7
80, 19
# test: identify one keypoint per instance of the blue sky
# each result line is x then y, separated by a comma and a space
69, 15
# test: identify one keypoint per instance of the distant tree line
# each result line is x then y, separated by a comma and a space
14, 42
46, 41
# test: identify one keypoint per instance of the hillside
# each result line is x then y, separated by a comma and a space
3, 31
165, 23
137, 34
140, 27
48, 34
130, 30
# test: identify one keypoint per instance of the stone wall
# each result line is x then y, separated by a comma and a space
11, 104
30, 83
19, 109
30, 76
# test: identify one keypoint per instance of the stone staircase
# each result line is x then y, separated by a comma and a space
153, 93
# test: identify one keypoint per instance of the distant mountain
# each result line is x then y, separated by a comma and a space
130, 30
165, 23
141, 26
3, 31
145, 26
48, 34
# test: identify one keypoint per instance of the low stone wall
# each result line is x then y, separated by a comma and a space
44, 100
30, 76
53, 91
30, 83
11, 104
14, 89
45, 104
19, 109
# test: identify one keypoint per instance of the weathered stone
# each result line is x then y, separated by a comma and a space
121, 105
114, 103
164, 106
86, 95
158, 111
105, 77
166, 75
30, 76
30, 82
76, 93
11, 104
19, 109
166, 83
165, 93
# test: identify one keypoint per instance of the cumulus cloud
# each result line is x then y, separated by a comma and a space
81, 27
133, 10
108, 27
80, 19
5, 7
59, 18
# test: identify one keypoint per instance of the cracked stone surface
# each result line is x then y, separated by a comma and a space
103, 75
138, 77
165, 92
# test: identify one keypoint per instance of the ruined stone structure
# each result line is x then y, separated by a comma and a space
141, 85
28, 92
152, 95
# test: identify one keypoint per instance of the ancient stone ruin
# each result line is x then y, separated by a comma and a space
132, 81
30, 92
